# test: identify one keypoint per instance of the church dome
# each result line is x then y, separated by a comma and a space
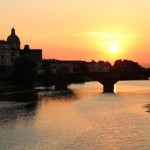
13, 39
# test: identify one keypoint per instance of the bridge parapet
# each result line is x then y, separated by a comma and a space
108, 80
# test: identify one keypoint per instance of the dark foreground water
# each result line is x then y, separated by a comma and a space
81, 119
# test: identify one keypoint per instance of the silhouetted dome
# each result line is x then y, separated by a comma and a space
13, 38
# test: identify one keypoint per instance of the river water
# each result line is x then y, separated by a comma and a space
82, 118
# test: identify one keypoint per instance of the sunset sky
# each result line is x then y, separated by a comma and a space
81, 29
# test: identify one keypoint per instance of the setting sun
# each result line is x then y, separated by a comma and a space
113, 48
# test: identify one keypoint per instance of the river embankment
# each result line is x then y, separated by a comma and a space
12, 89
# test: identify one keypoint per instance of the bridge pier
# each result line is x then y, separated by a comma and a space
108, 85
108, 88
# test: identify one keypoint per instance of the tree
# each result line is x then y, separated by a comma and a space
101, 62
127, 66
108, 64
24, 71
118, 66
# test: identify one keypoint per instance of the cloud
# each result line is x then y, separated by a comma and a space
110, 42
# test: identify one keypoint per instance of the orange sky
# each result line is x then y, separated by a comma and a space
81, 29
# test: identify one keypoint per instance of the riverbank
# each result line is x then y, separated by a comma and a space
12, 89
8, 88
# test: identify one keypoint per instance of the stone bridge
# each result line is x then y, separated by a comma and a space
108, 80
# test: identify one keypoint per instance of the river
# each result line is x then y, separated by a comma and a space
82, 118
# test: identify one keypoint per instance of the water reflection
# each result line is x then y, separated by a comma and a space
108, 94
147, 106
82, 119
9, 115
18, 106
25, 105
67, 95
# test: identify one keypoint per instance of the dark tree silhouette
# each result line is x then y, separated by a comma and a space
118, 66
147, 71
108, 64
105, 64
24, 71
127, 66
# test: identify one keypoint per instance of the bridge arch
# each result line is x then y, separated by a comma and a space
108, 80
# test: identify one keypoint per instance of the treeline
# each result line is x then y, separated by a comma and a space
127, 66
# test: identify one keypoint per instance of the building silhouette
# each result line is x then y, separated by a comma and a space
36, 54
10, 49
14, 40
5, 53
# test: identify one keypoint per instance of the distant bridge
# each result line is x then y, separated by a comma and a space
108, 80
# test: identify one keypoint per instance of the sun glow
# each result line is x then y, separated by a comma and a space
113, 48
